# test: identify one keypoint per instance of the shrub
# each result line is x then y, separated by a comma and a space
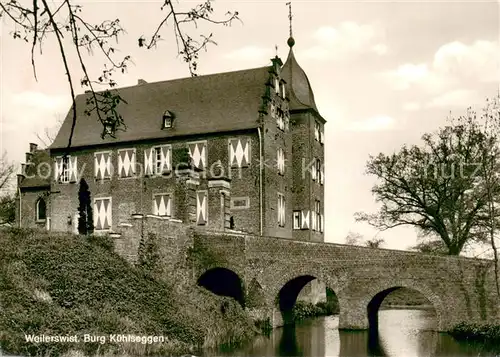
483, 333
93, 290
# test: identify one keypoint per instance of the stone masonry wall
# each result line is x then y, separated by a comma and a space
28, 207
460, 289
173, 239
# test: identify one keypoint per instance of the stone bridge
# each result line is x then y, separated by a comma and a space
266, 274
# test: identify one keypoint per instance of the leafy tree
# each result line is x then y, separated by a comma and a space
435, 246
6, 173
488, 122
7, 209
353, 238
7, 198
36, 21
85, 219
374, 243
437, 186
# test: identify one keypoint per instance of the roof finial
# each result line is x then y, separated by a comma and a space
290, 41
289, 4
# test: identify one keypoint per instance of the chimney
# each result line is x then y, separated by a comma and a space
33, 147
20, 178
277, 63
29, 155
141, 81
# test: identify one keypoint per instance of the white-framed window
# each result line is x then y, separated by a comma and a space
168, 119
297, 215
322, 174
198, 154
317, 131
276, 85
166, 160
283, 94
281, 210
314, 169
65, 169
41, 210
102, 165
318, 170
65, 172
305, 223
318, 216
158, 160
162, 204
280, 119
239, 152
102, 213
201, 207
126, 163
273, 110
280, 161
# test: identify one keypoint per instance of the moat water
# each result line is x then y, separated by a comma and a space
401, 333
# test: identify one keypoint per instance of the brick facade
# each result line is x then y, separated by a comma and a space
260, 161
135, 194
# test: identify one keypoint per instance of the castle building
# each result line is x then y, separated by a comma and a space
241, 151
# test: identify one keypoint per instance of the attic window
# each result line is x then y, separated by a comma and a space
108, 129
168, 119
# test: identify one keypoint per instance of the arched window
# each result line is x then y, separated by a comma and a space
41, 210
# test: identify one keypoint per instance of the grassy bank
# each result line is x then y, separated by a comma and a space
489, 334
303, 310
69, 285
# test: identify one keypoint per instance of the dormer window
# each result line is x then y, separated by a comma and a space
168, 119
108, 129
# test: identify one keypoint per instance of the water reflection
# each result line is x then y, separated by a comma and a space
400, 333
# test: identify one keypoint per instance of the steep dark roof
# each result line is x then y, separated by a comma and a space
37, 175
300, 92
204, 104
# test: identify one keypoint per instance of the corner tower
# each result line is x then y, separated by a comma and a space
307, 131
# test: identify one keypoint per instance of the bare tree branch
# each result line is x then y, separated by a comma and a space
6, 172
433, 187
34, 24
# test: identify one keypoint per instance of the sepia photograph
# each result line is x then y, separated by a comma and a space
202, 178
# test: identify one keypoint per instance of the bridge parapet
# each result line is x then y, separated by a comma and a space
460, 289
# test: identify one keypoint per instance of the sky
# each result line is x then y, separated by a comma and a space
383, 74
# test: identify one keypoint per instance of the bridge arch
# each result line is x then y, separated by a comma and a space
381, 290
277, 276
285, 287
223, 282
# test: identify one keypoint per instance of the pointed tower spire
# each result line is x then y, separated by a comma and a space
300, 92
